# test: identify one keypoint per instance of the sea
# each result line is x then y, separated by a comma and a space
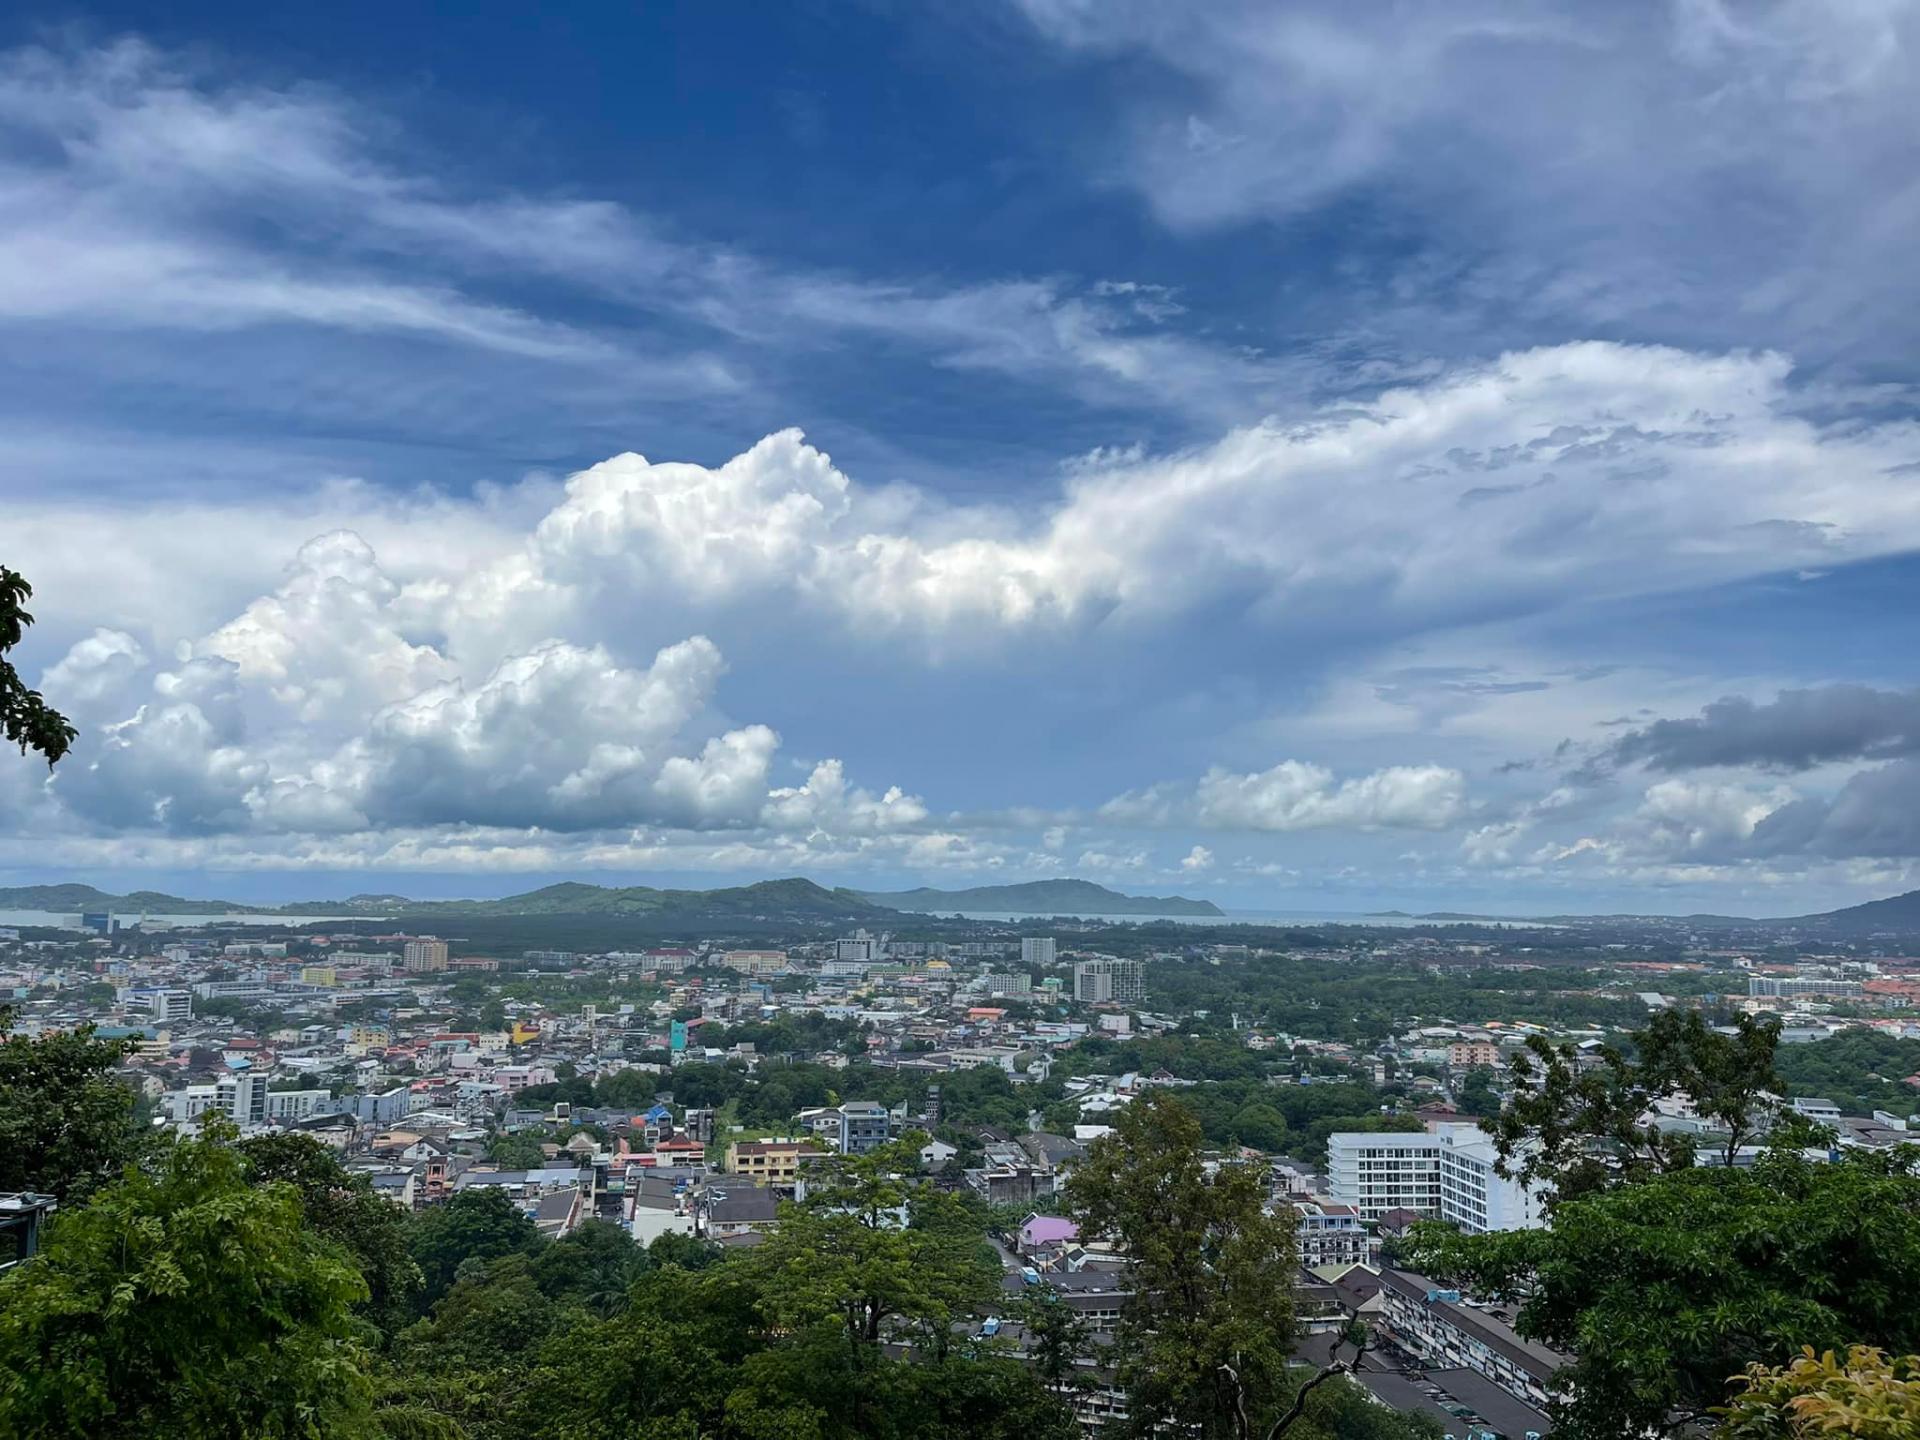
70, 919
1294, 918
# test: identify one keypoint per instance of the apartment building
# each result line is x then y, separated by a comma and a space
1331, 1234
424, 955
1447, 1171
1036, 950
1795, 987
1107, 980
1445, 1331
771, 1163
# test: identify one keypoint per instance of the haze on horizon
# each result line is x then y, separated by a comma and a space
1454, 458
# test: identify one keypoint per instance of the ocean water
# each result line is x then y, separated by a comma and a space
70, 919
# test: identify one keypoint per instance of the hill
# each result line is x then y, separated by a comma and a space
79, 898
795, 898
1041, 897
1897, 914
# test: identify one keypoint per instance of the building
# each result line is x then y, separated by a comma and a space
755, 962
731, 1211
287, 1105
322, 975
1448, 1171
864, 1125
242, 1098
1473, 1055
171, 1004
426, 954
1107, 980
862, 947
1330, 1234
1432, 1323
1795, 987
1036, 950
772, 1163
1018, 983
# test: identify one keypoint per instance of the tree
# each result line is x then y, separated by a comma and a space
594, 1265
342, 1206
184, 1301
1665, 1288
477, 1224
1867, 1396
25, 717
67, 1124
1477, 1095
1579, 1128
1057, 1336
1204, 1342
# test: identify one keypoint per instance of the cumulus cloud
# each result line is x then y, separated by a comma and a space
1197, 860
316, 710
1295, 795
1649, 468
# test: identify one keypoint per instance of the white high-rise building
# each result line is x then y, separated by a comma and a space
1036, 950
1098, 982
171, 1004
1446, 1172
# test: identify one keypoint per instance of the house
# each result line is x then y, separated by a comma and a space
1039, 1230
736, 1210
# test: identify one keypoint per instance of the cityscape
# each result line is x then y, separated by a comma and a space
1024, 720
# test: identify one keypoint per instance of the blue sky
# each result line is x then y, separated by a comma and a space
1421, 456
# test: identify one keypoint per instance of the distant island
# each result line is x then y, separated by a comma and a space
796, 898
1040, 897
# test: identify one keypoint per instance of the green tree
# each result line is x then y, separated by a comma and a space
25, 717
595, 1265
477, 1224
184, 1301
67, 1123
1203, 1345
1580, 1128
1261, 1126
342, 1206
1665, 1288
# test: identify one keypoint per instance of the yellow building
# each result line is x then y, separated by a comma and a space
771, 1162
755, 962
317, 975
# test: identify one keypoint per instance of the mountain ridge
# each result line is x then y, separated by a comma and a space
1037, 897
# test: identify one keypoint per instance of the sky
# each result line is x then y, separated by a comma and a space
1308, 456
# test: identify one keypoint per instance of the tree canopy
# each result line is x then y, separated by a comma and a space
1667, 1287
25, 717
184, 1300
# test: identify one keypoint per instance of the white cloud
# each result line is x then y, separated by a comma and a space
1733, 170
1295, 795
1591, 469
1197, 860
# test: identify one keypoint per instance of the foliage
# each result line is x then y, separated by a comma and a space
1665, 1288
342, 1207
1207, 1334
1860, 1070
25, 717
477, 1224
185, 1301
1580, 1128
66, 1123
1867, 1395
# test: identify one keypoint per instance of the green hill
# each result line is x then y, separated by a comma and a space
77, 898
1041, 897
